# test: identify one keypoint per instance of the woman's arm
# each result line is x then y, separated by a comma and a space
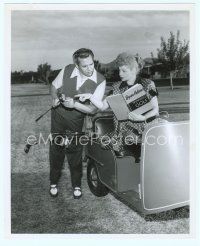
154, 112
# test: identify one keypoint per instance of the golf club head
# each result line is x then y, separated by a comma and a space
27, 148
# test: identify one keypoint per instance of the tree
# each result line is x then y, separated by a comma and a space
97, 65
44, 71
172, 54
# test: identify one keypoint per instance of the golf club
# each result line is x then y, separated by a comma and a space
43, 114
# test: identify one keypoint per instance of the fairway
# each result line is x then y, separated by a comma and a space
34, 211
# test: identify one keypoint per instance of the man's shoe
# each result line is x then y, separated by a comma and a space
77, 193
53, 190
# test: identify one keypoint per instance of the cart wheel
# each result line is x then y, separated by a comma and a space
95, 185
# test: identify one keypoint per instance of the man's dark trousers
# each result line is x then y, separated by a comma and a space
73, 121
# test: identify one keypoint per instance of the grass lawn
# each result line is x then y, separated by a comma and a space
34, 211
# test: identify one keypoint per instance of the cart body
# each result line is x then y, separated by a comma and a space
159, 182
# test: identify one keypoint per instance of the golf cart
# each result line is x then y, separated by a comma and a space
159, 182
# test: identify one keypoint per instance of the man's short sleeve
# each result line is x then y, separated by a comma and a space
58, 81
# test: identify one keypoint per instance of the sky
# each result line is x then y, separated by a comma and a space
40, 36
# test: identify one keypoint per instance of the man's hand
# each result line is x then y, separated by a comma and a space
68, 102
136, 117
83, 97
62, 97
55, 102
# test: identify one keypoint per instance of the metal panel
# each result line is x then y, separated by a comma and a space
128, 174
165, 166
107, 164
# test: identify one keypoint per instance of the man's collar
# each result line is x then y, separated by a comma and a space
76, 73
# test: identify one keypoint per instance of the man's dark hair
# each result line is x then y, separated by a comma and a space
82, 53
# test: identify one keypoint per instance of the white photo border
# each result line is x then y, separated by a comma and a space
6, 143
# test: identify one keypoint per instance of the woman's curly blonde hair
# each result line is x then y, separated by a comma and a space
128, 59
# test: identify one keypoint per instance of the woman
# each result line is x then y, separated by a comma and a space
129, 69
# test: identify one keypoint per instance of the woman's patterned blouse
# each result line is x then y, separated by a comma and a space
130, 128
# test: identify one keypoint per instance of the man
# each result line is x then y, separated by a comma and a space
79, 80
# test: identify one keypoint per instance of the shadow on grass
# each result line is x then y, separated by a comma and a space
34, 211
177, 213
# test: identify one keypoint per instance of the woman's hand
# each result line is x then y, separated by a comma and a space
83, 97
136, 117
